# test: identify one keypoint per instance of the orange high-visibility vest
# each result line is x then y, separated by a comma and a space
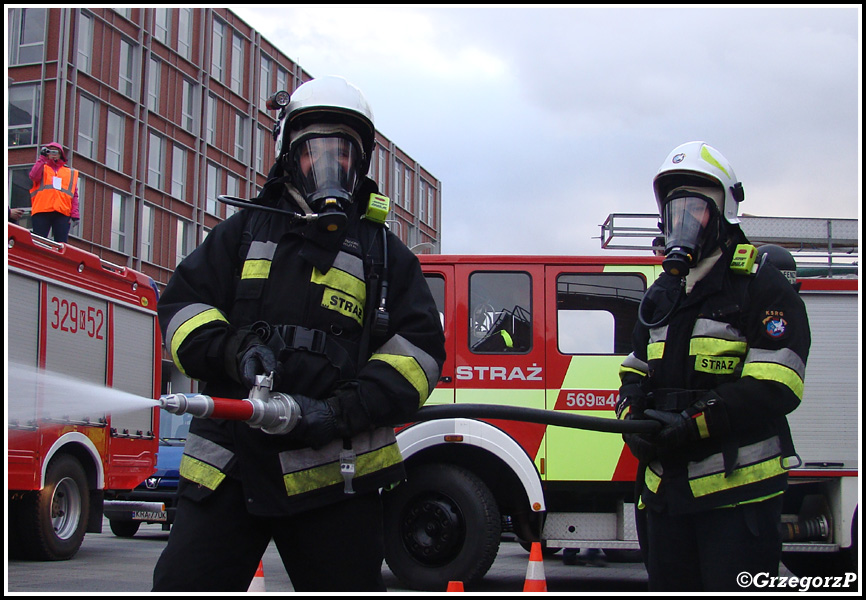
55, 192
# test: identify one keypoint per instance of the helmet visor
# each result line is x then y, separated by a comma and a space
326, 167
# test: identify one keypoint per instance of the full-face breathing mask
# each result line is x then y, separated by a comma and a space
324, 161
690, 223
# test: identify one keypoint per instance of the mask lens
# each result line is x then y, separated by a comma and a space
685, 221
326, 166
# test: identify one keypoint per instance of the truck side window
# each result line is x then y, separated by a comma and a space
596, 313
500, 312
437, 288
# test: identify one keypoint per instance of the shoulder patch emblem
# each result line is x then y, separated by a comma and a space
774, 326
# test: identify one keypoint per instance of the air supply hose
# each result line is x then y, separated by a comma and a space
533, 415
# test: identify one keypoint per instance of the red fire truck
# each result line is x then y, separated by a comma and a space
75, 316
550, 333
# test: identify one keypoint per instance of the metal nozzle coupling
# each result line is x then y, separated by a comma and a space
179, 404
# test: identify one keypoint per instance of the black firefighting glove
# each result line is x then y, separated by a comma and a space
319, 421
641, 445
257, 359
705, 418
632, 398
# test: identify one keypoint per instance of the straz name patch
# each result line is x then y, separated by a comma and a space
775, 324
719, 365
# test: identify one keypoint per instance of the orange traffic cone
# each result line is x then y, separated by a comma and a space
535, 581
258, 582
455, 586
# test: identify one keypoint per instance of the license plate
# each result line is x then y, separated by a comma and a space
143, 515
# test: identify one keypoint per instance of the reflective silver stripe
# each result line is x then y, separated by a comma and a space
633, 363
658, 334
400, 346
304, 459
182, 316
746, 455
350, 264
717, 329
262, 251
207, 451
784, 356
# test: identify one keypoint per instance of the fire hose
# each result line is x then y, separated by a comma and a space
276, 413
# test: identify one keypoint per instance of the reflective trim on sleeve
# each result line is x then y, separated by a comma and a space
187, 320
204, 462
778, 373
632, 364
416, 366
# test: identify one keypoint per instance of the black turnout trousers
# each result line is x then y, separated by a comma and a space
216, 545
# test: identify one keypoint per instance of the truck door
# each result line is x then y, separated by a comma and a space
500, 342
440, 278
591, 313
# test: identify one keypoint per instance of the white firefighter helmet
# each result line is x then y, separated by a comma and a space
331, 100
693, 163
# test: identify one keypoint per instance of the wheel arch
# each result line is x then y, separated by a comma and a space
487, 451
83, 449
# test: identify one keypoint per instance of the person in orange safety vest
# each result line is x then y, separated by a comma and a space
54, 195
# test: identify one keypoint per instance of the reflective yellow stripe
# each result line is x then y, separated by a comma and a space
655, 350
742, 476
701, 422
200, 472
652, 480
256, 269
716, 347
190, 325
409, 368
342, 281
330, 474
775, 372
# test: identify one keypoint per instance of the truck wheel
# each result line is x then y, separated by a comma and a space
54, 520
441, 525
124, 528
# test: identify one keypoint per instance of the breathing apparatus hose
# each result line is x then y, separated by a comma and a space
534, 415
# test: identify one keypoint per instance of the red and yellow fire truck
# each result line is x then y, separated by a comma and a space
550, 333
78, 317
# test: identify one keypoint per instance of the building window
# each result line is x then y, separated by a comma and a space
422, 202
184, 239
127, 69
27, 35
261, 136
217, 50
24, 109
88, 120
155, 155
407, 189
178, 172
85, 42
383, 165
114, 141
237, 64
188, 107
153, 80
161, 24
233, 188
146, 245
282, 80
184, 32
211, 120
398, 183
240, 137
124, 12
265, 90
121, 207
431, 204
213, 176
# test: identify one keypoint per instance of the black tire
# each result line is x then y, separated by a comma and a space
54, 520
124, 529
441, 525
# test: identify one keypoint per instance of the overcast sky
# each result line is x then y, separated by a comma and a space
540, 122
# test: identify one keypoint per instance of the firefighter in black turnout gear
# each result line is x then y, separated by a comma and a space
318, 292
719, 359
